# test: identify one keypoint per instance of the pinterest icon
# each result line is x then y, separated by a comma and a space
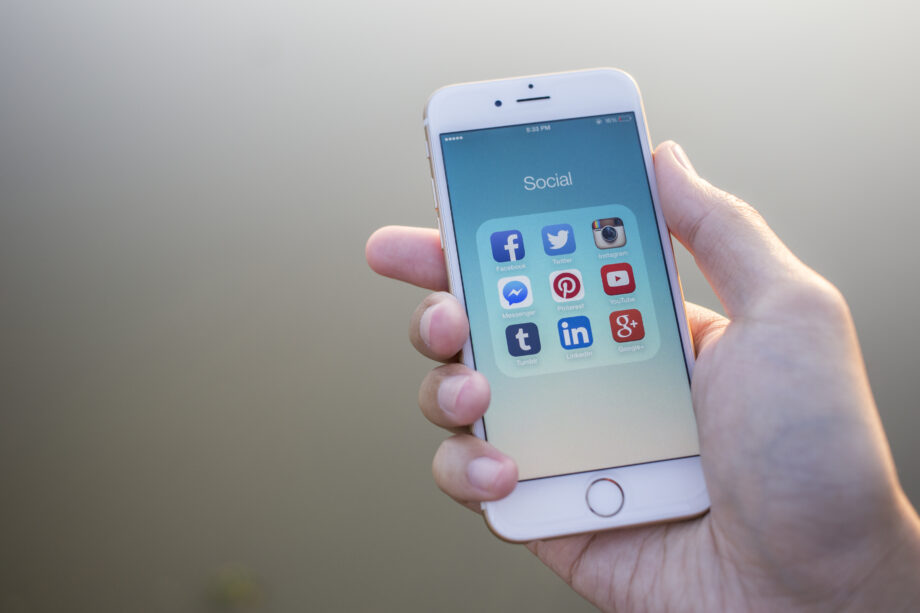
566, 285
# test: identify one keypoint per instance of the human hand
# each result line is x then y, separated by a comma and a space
807, 512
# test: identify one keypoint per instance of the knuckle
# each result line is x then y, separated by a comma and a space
819, 302
739, 206
828, 300
739, 210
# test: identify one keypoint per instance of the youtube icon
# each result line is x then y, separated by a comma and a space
618, 279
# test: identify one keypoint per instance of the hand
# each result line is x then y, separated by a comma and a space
807, 512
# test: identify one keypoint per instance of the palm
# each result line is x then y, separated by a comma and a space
781, 471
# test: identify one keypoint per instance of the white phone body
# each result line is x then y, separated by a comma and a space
553, 506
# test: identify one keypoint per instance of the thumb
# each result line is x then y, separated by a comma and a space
742, 258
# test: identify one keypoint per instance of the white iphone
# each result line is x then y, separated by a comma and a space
555, 243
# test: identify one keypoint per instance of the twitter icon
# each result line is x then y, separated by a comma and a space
558, 239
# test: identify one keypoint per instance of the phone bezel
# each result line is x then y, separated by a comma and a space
548, 507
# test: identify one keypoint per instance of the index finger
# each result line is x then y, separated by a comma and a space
412, 255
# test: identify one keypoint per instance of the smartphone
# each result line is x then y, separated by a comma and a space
555, 243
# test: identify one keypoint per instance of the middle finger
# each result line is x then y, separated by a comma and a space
439, 327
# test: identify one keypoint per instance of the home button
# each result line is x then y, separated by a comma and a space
604, 497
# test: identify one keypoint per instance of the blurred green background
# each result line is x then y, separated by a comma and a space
209, 402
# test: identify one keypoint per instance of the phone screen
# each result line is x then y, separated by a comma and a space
571, 314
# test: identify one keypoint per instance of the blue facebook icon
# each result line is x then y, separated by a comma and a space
507, 246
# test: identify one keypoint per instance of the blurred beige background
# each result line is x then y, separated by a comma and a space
208, 401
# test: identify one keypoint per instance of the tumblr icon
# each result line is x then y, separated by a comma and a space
522, 339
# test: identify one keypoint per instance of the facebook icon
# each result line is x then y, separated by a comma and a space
507, 246
523, 339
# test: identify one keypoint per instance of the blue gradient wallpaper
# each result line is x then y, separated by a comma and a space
570, 310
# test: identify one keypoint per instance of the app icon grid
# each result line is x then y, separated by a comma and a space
566, 288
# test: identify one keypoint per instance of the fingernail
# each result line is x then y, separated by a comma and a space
681, 156
483, 472
449, 392
424, 324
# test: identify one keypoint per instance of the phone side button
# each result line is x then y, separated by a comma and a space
440, 234
434, 195
604, 497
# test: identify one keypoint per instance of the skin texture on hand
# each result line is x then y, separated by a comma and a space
807, 512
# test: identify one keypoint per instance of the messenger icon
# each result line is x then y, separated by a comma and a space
515, 292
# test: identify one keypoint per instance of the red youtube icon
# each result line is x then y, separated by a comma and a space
618, 279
